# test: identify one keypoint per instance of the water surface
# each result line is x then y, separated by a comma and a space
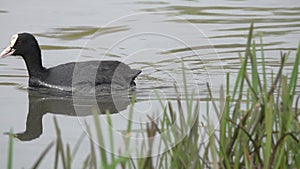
154, 36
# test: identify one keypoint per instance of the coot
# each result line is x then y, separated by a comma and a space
69, 76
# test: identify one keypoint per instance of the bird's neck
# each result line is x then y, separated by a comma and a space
34, 64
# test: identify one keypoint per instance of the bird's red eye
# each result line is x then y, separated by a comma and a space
19, 42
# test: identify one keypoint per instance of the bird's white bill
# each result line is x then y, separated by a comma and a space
7, 52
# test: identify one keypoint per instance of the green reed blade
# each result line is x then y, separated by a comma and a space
92, 156
111, 140
100, 139
59, 143
77, 145
264, 72
295, 71
10, 151
41, 157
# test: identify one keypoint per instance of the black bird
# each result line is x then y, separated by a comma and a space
73, 76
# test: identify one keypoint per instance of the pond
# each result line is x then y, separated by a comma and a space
158, 37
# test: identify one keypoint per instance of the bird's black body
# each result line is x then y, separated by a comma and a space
69, 76
93, 73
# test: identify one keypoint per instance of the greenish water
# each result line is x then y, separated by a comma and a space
150, 35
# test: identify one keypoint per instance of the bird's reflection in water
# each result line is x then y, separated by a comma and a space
41, 104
